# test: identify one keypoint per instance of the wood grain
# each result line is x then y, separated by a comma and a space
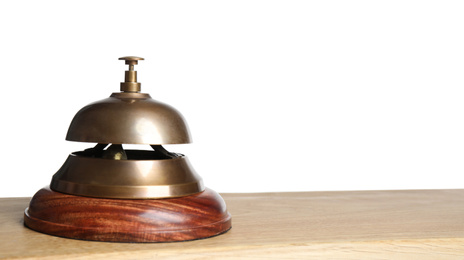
128, 220
418, 224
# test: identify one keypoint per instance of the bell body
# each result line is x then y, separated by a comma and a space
129, 118
107, 193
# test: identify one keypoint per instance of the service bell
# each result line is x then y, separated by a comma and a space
108, 193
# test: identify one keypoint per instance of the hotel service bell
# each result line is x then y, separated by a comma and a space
108, 193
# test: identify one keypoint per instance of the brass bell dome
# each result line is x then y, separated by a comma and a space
129, 117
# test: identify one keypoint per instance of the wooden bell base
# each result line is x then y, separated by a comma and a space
191, 217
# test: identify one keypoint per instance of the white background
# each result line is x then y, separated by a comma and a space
279, 95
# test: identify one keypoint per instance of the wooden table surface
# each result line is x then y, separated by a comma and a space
421, 224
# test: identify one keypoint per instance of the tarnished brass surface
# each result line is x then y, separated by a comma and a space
129, 118
126, 179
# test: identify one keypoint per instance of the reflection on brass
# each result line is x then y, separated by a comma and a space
115, 152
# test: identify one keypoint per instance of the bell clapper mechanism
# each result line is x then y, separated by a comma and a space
107, 193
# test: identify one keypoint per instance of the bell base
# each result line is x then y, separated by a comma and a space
197, 216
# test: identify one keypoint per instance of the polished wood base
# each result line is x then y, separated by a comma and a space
191, 217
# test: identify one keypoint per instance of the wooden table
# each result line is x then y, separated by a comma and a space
422, 224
